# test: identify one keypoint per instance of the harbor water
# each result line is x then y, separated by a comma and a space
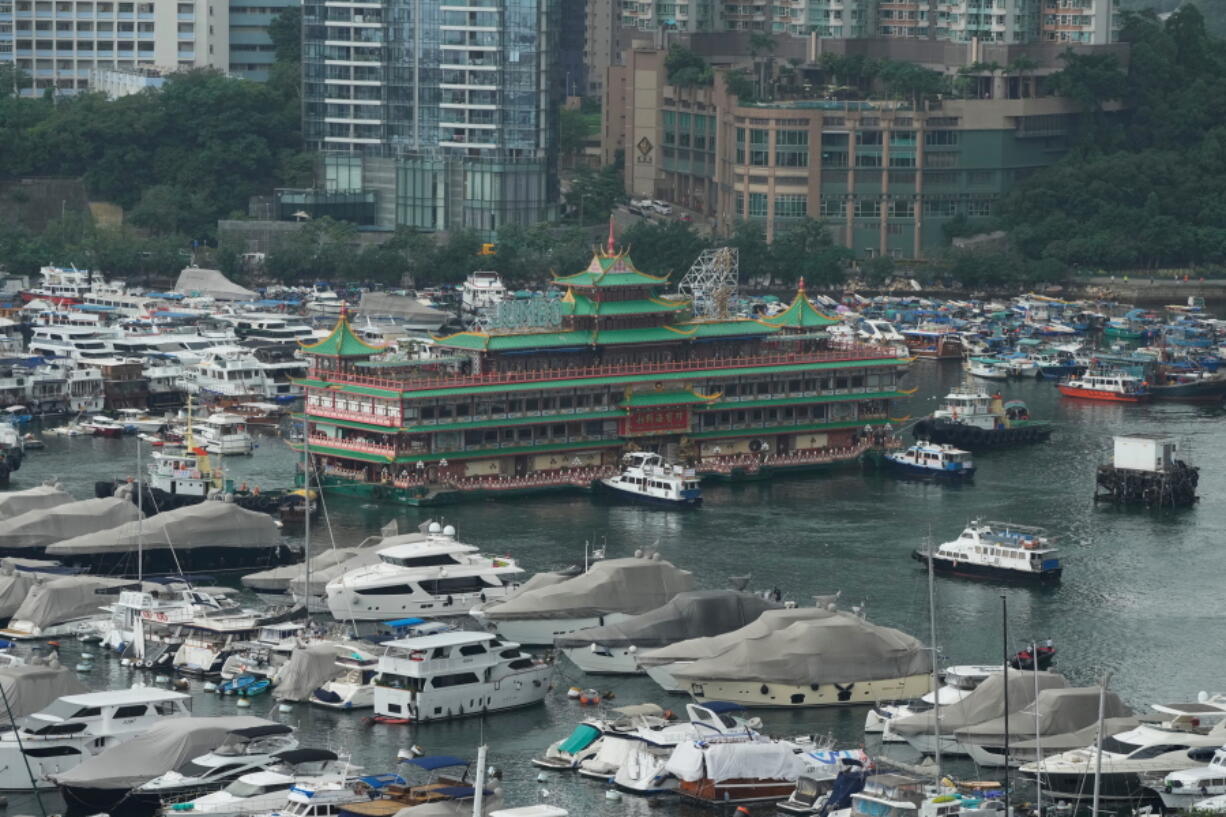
1141, 595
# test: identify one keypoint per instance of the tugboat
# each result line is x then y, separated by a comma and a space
997, 550
974, 420
646, 477
933, 459
1116, 387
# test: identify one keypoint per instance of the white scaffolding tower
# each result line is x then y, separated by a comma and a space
712, 281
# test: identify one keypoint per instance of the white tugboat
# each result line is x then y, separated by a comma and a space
454, 674
646, 477
997, 550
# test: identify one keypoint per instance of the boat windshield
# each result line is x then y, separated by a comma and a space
241, 788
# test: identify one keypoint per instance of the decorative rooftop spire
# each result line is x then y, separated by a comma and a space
610, 246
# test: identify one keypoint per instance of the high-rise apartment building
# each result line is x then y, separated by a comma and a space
55, 44
445, 111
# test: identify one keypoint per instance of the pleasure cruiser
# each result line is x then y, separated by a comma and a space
76, 727
1182, 790
956, 683
226, 434
454, 674
242, 751
269, 788
587, 740
435, 577
997, 550
354, 688
646, 477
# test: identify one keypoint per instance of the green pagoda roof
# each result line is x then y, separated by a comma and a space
801, 314
611, 270
728, 329
583, 306
342, 342
480, 341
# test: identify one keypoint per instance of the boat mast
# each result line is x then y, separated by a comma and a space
478, 789
1038, 737
1098, 745
1004, 625
936, 688
306, 504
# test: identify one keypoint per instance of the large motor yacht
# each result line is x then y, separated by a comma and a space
437, 577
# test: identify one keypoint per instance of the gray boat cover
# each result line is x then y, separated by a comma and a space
456, 808
1083, 737
44, 526
1060, 711
278, 579
205, 524
632, 586
32, 687
211, 283
66, 598
695, 649
15, 585
985, 702
357, 557
32, 499
166, 746
695, 614
307, 669
400, 307
838, 649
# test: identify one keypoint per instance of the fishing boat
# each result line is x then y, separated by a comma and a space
1194, 385
974, 420
1116, 387
933, 459
646, 477
997, 550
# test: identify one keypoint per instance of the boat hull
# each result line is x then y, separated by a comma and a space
1097, 394
1114, 786
538, 631
759, 694
920, 471
961, 435
611, 661
1214, 389
610, 489
949, 567
212, 559
736, 790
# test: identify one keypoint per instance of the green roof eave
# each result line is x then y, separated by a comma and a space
342, 342
583, 306
368, 391
661, 377
751, 432
724, 405
504, 452
329, 421
801, 314
722, 329
672, 398
329, 451
517, 421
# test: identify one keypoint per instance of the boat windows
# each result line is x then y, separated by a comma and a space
386, 590
52, 751
130, 711
241, 788
1150, 752
433, 560
1120, 747
521, 663
458, 679
472, 649
58, 729
447, 587
223, 771
511, 653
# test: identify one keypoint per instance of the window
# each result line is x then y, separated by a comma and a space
740, 148
472, 649
941, 160
459, 679
941, 138
868, 138
868, 208
792, 148
941, 208
980, 208
834, 207
759, 155
902, 159
130, 711
757, 205
791, 205
902, 208
868, 160
902, 137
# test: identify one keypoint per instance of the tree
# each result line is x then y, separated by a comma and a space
738, 83
684, 68
749, 239
285, 31
574, 127
877, 270
668, 248
594, 193
761, 44
807, 250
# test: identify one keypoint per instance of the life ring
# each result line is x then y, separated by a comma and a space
755, 446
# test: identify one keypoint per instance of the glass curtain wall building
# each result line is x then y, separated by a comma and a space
448, 109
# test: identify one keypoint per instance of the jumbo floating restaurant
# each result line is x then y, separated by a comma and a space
531, 410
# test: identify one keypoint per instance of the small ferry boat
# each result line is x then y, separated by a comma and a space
648, 478
933, 459
997, 550
226, 434
1116, 387
974, 420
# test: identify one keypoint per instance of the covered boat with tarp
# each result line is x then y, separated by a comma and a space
277, 584
836, 659
32, 687
55, 607
38, 498
586, 739
29, 534
1054, 712
693, 614
15, 585
611, 591
102, 783
661, 662
309, 667
984, 703
212, 535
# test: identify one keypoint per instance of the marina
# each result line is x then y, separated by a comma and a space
628, 588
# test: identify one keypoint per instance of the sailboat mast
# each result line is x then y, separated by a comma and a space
1038, 737
306, 519
140, 517
936, 682
1004, 626
1098, 745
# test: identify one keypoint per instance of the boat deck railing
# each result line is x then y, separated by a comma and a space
849, 351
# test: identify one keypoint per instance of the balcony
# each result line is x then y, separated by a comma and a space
354, 445
389, 420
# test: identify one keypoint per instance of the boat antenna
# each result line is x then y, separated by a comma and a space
936, 688
4, 695
1098, 745
1038, 737
1004, 626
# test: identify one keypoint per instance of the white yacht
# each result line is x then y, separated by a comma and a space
454, 674
76, 727
1002, 551
435, 577
354, 688
242, 751
1184, 789
1146, 751
269, 790
81, 344
646, 477
224, 433
482, 290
